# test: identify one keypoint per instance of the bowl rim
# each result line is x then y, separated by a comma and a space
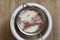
31, 4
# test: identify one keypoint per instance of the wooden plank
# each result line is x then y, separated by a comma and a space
7, 8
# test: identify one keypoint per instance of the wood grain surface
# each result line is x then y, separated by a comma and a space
7, 8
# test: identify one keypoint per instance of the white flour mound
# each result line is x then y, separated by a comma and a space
26, 16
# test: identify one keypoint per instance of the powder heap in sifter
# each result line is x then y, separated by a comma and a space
29, 21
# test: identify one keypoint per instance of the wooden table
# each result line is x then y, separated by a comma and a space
7, 7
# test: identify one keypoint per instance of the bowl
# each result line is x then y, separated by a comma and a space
12, 25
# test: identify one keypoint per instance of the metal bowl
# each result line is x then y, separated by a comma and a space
21, 35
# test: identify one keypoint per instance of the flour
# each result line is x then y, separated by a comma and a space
33, 24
